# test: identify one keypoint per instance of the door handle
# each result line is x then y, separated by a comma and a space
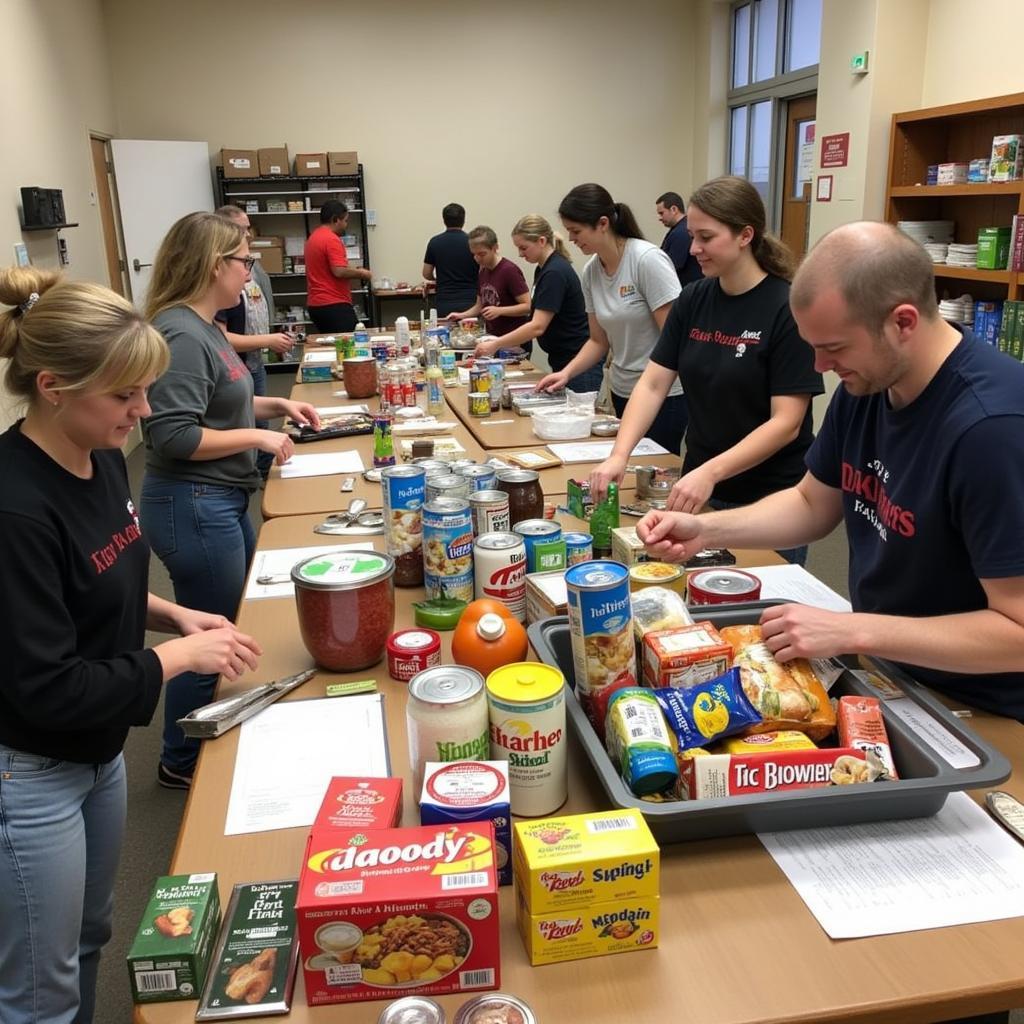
137, 266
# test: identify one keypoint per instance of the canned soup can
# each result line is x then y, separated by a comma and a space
526, 705
722, 586
448, 549
499, 569
481, 478
403, 492
601, 630
448, 485
579, 547
490, 513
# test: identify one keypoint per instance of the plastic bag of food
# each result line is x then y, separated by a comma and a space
657, 608
699, 715
639, 742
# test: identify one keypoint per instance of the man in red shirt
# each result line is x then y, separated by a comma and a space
329, 295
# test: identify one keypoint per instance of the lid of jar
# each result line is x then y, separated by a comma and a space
518, 476
342, 570
446, 684
411, 1010
525, 682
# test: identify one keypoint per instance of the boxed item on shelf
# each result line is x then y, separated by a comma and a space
343, 162
271, 259
266, 241
274, 162
239, 163
1007, 162
310, 165
977, 171
993, 248
952, 174
294, 245
295, 206
277, 206
252, 206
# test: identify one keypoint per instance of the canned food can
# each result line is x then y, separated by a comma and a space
482, 478
657, 574
499, 570
448, 485
494, 1006
545, 549
449, 367
578, 548
383, 440
447, 718
403, 491
490, 512
479, 404
448, 549
411, 651
722, 586
412, 1010
479, 389
496, 370
526, 702
379, 350
601, 630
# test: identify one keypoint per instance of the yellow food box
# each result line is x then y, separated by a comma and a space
762, 743
616, 926
581, 859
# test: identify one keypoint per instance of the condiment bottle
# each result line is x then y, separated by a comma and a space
402, 335
603, 520
435, 379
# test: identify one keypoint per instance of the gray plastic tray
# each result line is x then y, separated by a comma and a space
925, 778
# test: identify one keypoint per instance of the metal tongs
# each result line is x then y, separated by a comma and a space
217, 718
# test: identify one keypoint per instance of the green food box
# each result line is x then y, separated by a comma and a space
313, 373
253, 968
993, 248
171, 952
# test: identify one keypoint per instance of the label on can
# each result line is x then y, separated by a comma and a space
601, 628
449, 368
544, 547
403, 493
722, 586
578, 548
448, 549
410, 651
499, 569
383, 441
496, 370
490, 512
526, 703
481, 478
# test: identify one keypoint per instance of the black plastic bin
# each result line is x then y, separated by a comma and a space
925, 778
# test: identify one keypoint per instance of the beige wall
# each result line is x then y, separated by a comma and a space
54, 89
501, 108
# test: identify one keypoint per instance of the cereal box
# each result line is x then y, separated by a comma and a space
598, 929
360, 803
384, 913
685, 655
576, 860
171, 952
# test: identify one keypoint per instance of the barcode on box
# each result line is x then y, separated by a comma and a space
467, 880
477, 979
263, 933
610, 824
156, 981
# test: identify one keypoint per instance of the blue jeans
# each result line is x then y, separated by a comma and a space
202, 534
797, 556
264, 460
669, 424
61, 826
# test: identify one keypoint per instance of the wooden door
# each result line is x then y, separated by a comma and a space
102, 168
798, 173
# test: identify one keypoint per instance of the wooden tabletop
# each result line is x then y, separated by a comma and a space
738, 946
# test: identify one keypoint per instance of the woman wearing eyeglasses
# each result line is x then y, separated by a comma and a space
201, 445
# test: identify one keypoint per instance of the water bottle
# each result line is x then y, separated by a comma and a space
361, 337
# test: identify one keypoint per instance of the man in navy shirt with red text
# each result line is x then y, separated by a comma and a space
922, 456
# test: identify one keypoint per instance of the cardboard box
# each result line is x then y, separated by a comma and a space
170, 954
239, 163
274, 162
264, 241
684, 656
311, 165
343, 163
271, 258
414, 909
360, 803
627, 547
577, 860
993, 248
546, 595
598, 929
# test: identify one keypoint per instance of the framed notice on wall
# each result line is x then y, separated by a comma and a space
835, 150
824, 190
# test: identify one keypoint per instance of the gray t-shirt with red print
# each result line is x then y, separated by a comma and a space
206, 386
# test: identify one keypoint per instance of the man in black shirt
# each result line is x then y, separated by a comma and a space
449, 263
669, 208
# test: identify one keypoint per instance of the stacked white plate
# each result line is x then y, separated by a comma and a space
959, 310
937, 251
927, 230
962, 255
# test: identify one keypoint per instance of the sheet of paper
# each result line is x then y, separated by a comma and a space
327, 355
288, 753
279, 562
598, 451
338, 410
957, 867
795, 583
322, 465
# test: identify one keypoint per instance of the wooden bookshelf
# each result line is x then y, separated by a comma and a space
957, 132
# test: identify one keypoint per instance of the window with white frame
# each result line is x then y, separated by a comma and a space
774, 57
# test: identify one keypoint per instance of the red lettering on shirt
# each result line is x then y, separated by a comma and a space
236, 368
107, 556
729, 340
868, 487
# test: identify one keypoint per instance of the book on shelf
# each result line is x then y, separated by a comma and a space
1017, 243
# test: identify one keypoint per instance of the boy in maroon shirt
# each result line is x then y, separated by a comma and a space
503, 298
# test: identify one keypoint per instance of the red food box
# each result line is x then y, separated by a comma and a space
705, 776
385, 913
360, 803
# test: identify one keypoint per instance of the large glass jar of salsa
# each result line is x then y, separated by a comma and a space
346, 606
525, 497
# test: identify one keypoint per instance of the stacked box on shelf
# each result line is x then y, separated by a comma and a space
987, 320
993, 248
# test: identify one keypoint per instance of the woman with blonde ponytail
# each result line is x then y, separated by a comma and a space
73, 618
558, 315
732, 342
